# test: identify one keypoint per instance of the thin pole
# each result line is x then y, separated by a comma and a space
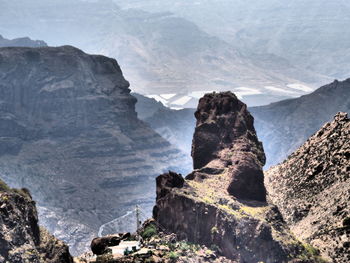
137, 218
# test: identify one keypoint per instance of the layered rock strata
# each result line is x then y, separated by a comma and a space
70, 134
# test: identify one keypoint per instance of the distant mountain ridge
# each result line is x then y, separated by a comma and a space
283, 126
21, 42
160, 52
310, 35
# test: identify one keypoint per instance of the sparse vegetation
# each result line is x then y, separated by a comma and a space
149, 232
312, 253
253, 211
173, 255
4, 187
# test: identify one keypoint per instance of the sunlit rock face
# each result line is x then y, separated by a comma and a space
311, 189
69, 132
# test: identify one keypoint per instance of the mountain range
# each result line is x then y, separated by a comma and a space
310, 35
161, 52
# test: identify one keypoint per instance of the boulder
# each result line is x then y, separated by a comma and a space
99, 245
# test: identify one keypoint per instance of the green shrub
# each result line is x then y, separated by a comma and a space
173, 255
149, 232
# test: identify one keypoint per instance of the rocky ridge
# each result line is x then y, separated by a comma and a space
70, 134
21, 238
207, 208
311, 189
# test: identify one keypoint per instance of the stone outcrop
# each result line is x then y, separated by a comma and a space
311, 189
100, 244
21, 238
70, 134
225, 137
205, 208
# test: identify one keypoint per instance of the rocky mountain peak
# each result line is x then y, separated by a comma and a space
225, 137
311, 189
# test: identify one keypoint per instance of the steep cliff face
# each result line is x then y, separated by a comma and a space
69, 132
222, 202
311, 189
21, 239
284, 126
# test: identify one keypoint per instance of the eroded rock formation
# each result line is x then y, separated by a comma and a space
311, 189
21, 239
208, 208
225, 138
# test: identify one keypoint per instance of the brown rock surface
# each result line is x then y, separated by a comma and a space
312, 189
225, 138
